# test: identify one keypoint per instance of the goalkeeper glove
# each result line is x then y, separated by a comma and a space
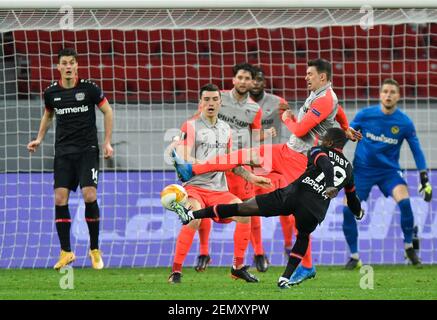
425, 188
360, 215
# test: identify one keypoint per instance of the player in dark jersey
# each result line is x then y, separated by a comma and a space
307, 198
76, 162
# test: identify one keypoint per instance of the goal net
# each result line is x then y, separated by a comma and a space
150, 64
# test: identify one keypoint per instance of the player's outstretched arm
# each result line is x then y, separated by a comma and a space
260, 181
107, 115
353, 202
46, 121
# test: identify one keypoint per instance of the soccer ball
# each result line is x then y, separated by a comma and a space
171, 193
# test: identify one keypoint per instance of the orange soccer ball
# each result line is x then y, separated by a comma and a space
173, 193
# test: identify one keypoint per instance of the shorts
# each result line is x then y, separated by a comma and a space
240, 187
386, 180
208, 198
286, 201
75, 169
278, 182
281, 159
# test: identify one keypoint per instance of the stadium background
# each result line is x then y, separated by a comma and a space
151, 75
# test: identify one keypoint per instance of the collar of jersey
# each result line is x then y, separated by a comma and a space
206, 122
75, 83
243, 102
326, 86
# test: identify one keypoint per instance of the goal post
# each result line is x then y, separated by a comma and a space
150, 58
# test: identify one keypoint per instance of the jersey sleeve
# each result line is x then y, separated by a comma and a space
314, 154
97, 95
341, 118
187, 134
256, 124
47, 104
319, 111
283, 105
414, 144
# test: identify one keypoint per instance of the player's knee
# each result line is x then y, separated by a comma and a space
61, 199
303, 236
89, 195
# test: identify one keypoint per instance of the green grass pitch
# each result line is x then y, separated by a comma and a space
389, 282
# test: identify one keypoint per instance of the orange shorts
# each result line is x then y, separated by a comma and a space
208, 198
279, 158
240, 187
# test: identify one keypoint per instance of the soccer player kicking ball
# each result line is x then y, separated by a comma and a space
76, 162
308, 198
376, 162
319, 113
206, 136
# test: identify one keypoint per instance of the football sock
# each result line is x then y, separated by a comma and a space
92, 217
408, 245
350, 230
204, 231
407, 220
255, 235
220, 211
307, 260
297, 253
355, 256
183, 245
63, 224
287, 223
241, 241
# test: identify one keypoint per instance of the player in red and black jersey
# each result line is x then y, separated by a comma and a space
76, 162
307, 198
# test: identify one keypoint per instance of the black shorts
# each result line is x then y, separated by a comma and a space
73, 169
286, 201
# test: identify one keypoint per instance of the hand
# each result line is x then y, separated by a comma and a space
284, 106
33, 145
271, 132
107, 150
331, 192
425, 188
260, 181
288, 114
360, 215
353, 134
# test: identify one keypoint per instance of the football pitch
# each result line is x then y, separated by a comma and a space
389, 282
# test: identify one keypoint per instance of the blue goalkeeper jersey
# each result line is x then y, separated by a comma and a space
382, 139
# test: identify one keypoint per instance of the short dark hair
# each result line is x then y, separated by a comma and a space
211, 87
259, 72
67, 52
322, 66
338, 137
244, 66
391, 82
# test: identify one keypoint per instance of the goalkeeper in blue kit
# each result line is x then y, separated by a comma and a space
384, 127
